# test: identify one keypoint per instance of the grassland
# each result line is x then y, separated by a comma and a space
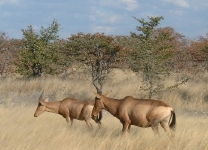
20, 130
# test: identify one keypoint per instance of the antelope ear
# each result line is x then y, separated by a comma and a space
46, 99
42, 102
97, 95
108, 93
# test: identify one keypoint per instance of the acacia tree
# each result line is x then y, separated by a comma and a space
152, 54
8, 53
39, 51
97, 51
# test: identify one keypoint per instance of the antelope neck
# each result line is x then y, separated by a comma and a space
111, 105
53, 106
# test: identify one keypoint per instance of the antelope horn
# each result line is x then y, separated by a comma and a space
41, 95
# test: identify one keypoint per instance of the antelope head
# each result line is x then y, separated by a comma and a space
41, 105
98, 105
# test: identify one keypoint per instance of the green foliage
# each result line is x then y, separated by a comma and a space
39, 52
151, 54
97, 51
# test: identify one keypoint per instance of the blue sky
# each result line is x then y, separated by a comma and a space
112, 17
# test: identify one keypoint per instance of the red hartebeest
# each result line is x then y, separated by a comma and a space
139, 112
68, 108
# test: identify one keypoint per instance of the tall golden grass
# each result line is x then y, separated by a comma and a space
20, 130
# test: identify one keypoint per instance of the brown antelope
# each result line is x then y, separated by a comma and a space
139, 112
68, 108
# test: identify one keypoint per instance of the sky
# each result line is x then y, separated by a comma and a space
111, 17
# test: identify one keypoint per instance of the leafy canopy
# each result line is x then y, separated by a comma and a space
39, 51
151, 53
97, 51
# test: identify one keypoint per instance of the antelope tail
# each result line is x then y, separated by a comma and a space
172, 124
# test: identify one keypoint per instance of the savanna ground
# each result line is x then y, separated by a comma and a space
20, 130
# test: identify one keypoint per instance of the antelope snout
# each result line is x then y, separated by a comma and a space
35, 115
95, 117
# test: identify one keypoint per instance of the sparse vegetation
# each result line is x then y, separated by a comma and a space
20, 130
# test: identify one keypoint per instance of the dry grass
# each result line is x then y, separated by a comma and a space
20, 130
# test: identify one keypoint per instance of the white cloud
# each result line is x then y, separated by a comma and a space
108, 18
103, 29
104, 17
129, 5
13, 2
177, 12
6, 14
181, 3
